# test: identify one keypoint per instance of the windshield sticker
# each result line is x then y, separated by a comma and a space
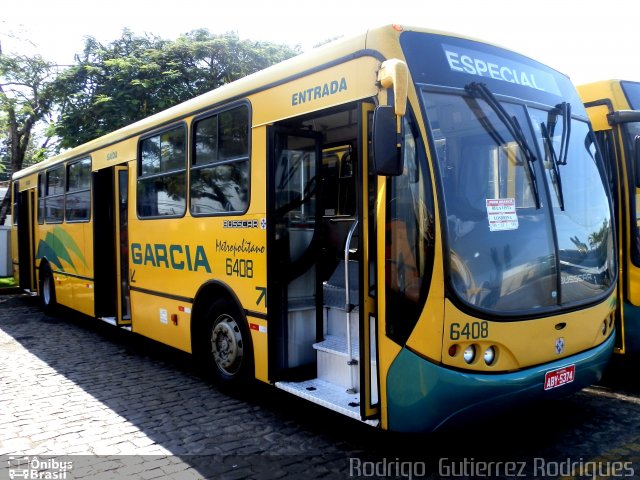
501, 213
472, 62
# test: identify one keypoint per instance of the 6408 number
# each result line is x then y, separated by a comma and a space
239, 267
473, 331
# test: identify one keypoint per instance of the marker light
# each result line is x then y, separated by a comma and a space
453, 349
489, 355
469, 354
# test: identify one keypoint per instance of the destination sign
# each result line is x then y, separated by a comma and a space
481, 64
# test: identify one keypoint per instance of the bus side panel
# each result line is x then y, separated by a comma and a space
258, 329
67, 250
598, 117
252, 297
162, 319
83, 291
83, 295
64, 289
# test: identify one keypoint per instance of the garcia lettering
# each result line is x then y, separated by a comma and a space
176, 257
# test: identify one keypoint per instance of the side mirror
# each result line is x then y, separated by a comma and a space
387, 154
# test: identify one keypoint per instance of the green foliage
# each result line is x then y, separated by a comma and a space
27, 97
4, 147
136, 76
26, 87
7, 282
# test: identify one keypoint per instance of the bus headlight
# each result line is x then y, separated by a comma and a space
489, 355
604, 327
469, 354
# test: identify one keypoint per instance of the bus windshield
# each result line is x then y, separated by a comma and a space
631, 132
528, 224
632, 92
631, 135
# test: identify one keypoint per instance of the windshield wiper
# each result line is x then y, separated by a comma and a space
563, 109
514, 128
555, 171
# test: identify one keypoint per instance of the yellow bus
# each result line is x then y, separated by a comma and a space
613, 107
407, 227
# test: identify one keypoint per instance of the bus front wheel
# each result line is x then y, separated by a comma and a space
228, 346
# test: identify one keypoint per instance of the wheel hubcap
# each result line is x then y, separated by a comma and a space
226, 344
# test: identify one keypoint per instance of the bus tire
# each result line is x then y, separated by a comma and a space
47, 291
227, 347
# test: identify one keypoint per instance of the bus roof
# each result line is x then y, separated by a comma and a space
611, 89
373, 40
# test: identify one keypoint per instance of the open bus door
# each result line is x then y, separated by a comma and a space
322, 277
294, 233
121, 207
111, 257
26, 221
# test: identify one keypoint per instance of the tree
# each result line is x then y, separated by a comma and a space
136, 76
26, 97
113, 85
38, 148
4, 150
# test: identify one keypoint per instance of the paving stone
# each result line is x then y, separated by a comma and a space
126, 407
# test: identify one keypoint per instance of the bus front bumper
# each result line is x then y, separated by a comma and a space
423, 396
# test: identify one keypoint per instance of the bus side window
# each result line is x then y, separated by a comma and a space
54, 201
219, 180
410, 236
162, 178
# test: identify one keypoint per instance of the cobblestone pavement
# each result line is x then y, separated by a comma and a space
81, 399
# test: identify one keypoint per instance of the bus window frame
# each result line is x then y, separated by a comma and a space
15, 204
67, 191
158, 132
41, 197
192, 155
61, 166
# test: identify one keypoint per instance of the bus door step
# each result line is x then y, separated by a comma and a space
328, 395
114, 322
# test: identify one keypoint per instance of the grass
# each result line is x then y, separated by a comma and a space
7, 282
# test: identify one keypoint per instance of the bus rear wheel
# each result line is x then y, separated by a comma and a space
228, 346
47, 291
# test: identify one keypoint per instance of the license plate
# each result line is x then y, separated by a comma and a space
561, 376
